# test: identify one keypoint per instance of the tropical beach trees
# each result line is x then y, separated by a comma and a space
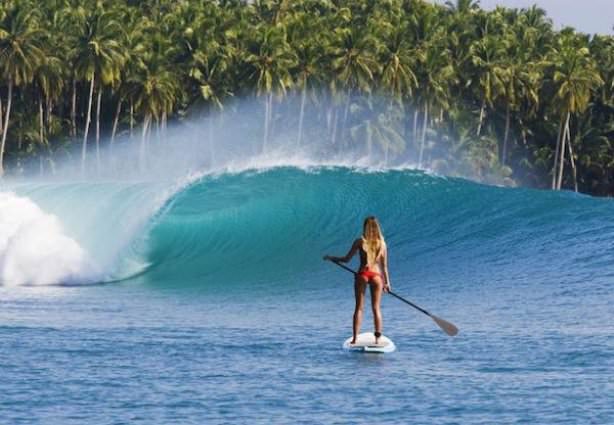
498, 95
271, 59
98, 58
20, 56
575, 77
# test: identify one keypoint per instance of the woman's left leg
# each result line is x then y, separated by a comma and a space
376, 286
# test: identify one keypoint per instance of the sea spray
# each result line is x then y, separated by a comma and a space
34, 249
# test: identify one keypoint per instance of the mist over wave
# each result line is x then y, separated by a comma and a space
232, 141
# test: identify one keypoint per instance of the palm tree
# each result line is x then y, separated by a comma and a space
487, 57
305, 38
98, 56
398, 58
20, 55
575, 77
271, 58
50, 83
377, 126
155, 95
463, 6
354, 64
521, 76
505, 76
436, 76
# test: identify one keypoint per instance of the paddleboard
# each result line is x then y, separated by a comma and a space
365, 343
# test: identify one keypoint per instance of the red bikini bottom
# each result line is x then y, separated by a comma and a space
368, 274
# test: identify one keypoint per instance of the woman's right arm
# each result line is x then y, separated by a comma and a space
387, 284
348, 256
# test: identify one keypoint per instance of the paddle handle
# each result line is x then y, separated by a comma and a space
410, 303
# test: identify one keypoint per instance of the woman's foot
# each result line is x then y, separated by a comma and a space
377, 337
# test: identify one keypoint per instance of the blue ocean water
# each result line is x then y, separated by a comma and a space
208, 301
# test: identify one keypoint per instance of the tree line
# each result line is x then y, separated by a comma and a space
499, 95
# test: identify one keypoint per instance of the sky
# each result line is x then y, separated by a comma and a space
590, 16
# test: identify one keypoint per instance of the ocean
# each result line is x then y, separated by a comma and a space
205, 300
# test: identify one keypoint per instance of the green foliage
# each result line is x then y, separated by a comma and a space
468, 92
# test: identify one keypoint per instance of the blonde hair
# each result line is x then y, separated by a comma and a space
373, 240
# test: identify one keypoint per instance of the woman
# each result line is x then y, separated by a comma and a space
373, 271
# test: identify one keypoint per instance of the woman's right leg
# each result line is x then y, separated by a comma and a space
360, 284
376, 297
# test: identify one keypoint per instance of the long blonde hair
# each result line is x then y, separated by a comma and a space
373, 240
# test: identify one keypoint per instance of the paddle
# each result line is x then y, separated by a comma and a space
445, 326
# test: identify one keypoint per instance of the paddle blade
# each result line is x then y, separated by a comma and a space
445, 326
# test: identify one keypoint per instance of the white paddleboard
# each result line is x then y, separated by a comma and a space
365, 343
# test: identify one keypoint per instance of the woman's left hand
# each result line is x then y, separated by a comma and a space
387, 287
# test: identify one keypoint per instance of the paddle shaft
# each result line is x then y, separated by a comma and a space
343, 266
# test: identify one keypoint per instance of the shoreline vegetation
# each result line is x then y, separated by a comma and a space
497, 95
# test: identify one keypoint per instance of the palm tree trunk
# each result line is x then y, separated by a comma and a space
301, 116
211, 145
272, 120
158, 132
266, 125
369, 139
482, 112
41, 122
142, 149
571, 158
415, 125
346, 110
48, 121
118, 111
131, 117
556, 152
423, 141
87, 125
335, 120
386, 155
98, 100
562, 157
49, 107
73, 109
1, 116
6, 125
506, 136
41, 132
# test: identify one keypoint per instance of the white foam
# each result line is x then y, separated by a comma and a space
306, 161
34, 249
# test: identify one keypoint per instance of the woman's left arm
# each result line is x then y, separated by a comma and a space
387, 285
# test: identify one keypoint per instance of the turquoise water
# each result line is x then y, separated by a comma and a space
206, 301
